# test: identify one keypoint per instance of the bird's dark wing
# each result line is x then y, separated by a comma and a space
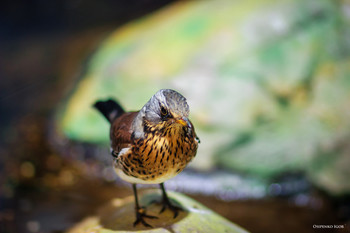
121, 132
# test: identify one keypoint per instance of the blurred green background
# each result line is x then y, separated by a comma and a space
268, 84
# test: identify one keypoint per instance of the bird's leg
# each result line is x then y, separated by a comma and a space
167, 204
140, 212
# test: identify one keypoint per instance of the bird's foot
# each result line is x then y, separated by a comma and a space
140, 215
166, 204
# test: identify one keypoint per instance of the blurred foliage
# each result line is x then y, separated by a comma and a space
267, 83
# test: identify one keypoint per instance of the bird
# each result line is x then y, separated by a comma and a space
151, 145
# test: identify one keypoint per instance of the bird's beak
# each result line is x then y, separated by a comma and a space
184, 121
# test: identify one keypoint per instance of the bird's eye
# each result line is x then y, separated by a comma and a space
163, 111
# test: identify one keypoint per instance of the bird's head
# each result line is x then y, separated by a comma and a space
166, 108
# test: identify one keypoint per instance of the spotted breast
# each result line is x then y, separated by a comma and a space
161, 154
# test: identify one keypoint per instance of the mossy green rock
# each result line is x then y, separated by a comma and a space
267, 83
119, 215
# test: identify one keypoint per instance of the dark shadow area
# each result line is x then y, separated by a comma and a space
21, 18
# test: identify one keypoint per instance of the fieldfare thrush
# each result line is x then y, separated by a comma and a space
152, 145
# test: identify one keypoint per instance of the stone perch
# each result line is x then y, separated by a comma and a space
119, 214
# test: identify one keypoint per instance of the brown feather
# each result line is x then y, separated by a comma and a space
120, 133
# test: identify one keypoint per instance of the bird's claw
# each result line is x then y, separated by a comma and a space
173, 208
166, 204
140, 215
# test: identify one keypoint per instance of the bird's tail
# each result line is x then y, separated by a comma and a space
109, 109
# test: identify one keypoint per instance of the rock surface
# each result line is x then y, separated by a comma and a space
119, 215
